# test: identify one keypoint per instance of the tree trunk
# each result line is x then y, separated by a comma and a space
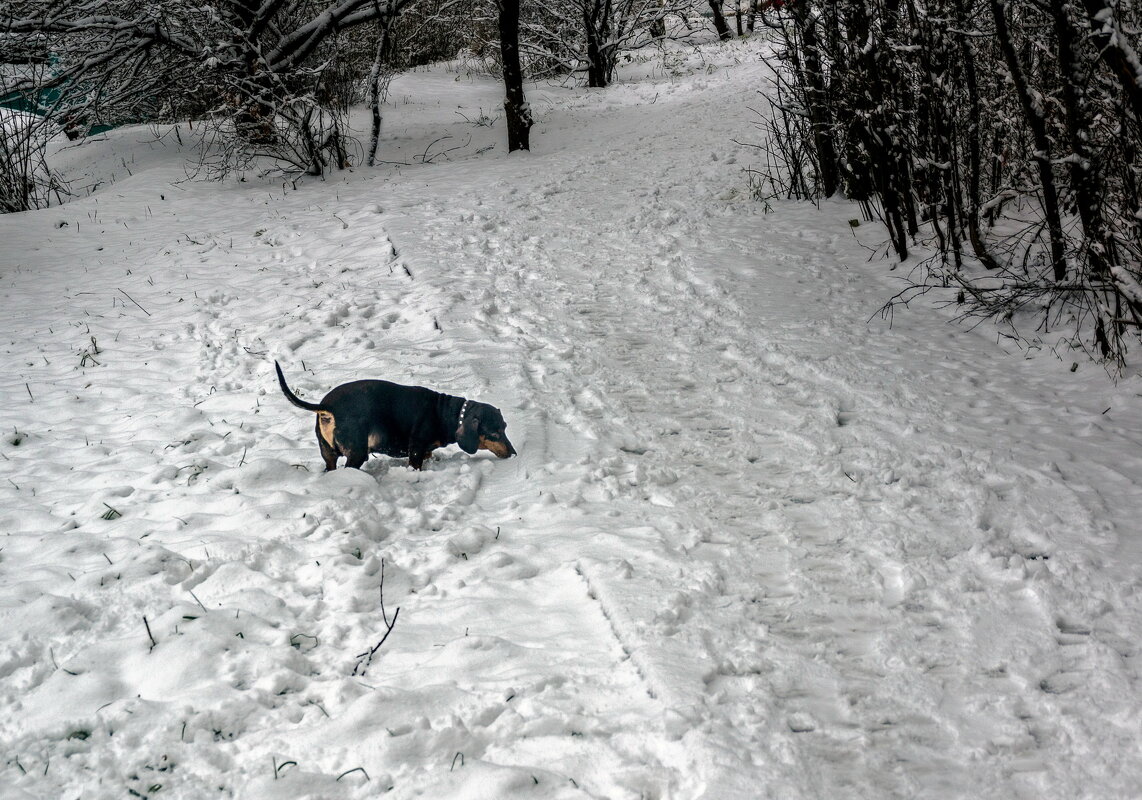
515, 106
596, 69
597, 26
1085, 180
935, 124
658, 24
1114, 46
817, 101
876, 150
379, 77
1038, 126
724, 32
974, 165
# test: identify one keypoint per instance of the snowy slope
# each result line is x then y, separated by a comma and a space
757, 542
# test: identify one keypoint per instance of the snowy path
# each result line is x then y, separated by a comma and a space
860, 581
753, 546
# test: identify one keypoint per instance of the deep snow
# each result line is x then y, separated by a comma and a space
757, 543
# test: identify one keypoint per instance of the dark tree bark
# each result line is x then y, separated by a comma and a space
1030, 115
817, 100
974, 162
936, 143
1033, 115
597, 26
723, 29
1084, 175
379, 77
515, 106
1114, 48
877, 152
658, 24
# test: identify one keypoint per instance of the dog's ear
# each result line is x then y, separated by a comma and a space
468, 434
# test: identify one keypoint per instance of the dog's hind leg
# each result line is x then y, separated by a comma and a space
420, 446
353, 443
328, 454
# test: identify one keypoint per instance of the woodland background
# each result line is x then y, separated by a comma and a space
998, 139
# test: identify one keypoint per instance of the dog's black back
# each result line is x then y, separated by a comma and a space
393, 419
374, 416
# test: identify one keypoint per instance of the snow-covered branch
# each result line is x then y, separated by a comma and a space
1116, 49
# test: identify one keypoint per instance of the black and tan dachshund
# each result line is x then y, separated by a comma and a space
370, 416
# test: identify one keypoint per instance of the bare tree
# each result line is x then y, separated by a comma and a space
609, 28
591, 35
1012, 125
1115, 48
808, 61
380, 76
515, 106
26, 180
268, 68
1034, 116
719, 18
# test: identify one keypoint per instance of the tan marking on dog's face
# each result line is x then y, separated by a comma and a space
327, 425
498, 449
374, 442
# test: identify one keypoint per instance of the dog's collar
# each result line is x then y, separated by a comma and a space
463, 411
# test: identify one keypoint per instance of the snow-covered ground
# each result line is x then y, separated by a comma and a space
757, 542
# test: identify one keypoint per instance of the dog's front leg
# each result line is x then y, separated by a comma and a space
355, 458
421, 444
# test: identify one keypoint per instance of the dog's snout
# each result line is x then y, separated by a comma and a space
500, 447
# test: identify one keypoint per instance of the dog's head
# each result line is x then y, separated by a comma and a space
482, 427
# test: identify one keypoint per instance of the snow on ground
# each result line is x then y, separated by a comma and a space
757, 542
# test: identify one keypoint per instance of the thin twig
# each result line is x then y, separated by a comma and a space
148, 313
384, 615
279, 767
365, 660
351, 771
154, 644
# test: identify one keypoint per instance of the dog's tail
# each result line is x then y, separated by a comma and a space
293, 398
